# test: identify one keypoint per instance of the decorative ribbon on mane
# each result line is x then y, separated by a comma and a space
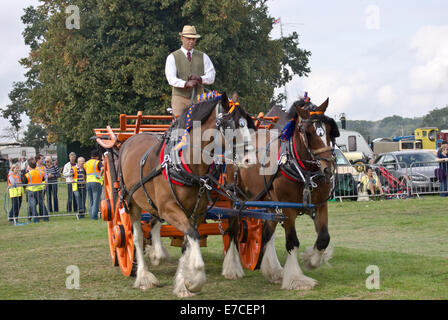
212, 95
306, 98
184, 139
288, 130
232, 105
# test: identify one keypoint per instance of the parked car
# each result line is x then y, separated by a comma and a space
416, 168
346, 176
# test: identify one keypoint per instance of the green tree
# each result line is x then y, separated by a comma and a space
16, 108
437, 118
84, 78
35, 136
387, 127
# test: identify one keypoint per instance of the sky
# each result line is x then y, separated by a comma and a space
373, 59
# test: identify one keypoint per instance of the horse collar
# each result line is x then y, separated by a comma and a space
291, 165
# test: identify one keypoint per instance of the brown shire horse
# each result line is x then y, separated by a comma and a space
302, 173
159, 180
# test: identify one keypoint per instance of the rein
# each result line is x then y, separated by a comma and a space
306, 175
205, 182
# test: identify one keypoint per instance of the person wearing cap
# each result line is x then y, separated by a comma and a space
186, 69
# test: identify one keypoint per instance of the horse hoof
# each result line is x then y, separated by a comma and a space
232, 276
234, 273
273, 276
312, 258
194, 286
185, 294
146, 280
277, 280
156, 257
302, 284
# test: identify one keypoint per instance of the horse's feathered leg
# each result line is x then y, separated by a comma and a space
314, 257
293, 277
190, 274
145, 279
155, 251
231, 267
270, 266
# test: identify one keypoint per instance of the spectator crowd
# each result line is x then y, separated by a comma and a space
36, 181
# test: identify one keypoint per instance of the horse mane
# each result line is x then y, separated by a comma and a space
334, 131
292, 115
292, 112
199, 111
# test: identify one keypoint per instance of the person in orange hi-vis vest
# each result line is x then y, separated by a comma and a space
35, 178
94, 178
43, 169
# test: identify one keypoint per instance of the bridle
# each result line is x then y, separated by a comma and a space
227, 121
303, 125
224, 120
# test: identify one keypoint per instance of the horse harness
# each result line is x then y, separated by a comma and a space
175, 170
292, 167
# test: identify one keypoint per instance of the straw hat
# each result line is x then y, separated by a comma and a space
189, 32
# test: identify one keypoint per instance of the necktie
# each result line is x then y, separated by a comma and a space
189, 56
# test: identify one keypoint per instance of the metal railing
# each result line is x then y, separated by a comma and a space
423, 180
56, 200
396, 181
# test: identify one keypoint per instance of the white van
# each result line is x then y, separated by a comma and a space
353, 142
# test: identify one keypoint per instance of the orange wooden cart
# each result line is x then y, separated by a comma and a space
120, 236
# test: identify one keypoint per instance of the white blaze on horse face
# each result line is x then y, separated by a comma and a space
321, 132
245, 146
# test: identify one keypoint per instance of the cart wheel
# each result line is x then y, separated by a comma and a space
249, 242
107, 205
113, 253
123, 240
106, 210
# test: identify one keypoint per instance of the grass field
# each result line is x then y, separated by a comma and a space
404, 238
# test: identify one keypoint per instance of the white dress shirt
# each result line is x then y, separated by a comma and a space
171, 70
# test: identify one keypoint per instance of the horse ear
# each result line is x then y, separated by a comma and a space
323, 107
225, 102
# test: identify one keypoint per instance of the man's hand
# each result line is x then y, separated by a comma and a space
195, 77
191, 84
